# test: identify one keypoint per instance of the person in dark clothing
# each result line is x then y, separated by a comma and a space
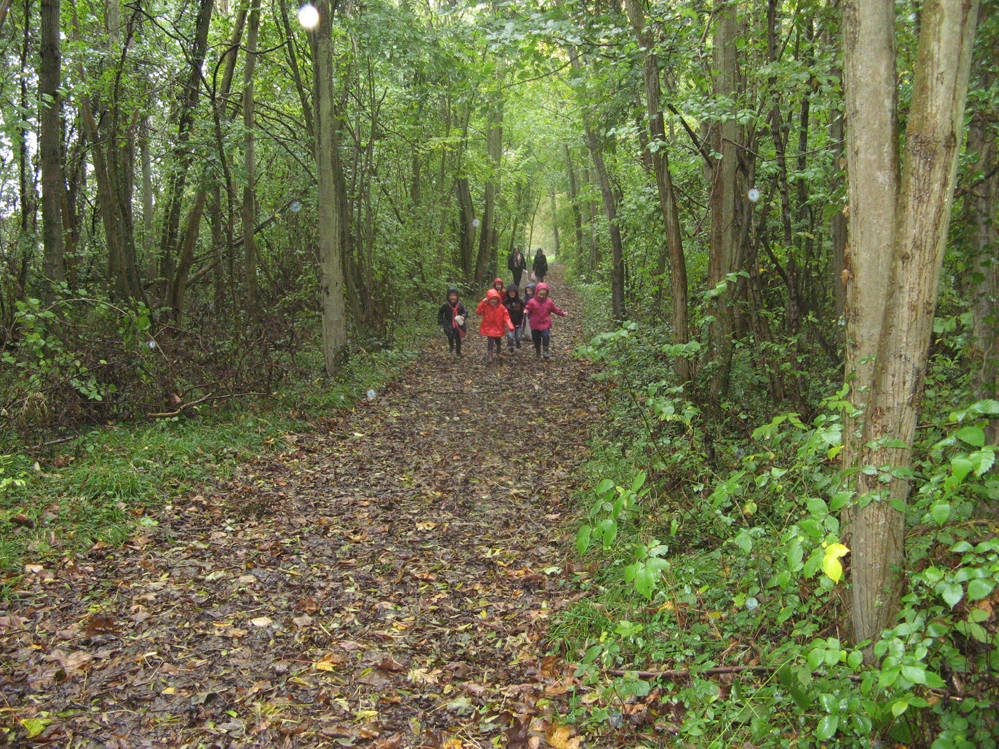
451, 317
540, 266
515, 306
517, 264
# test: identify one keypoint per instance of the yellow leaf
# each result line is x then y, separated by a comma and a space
832, 568
558, 737
836, 550
35, 726
452, 744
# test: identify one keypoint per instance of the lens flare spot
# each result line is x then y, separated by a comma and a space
308, 16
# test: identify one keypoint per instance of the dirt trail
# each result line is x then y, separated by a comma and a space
386, 581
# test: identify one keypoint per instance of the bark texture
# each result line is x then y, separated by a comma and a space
922, 216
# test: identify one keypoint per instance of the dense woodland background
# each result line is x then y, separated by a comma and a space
785, 211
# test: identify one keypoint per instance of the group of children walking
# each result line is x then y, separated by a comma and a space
504, 315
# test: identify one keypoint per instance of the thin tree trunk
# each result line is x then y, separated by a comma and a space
26, 184
980, 204
182, 157
664, 186
494, 153
50, 144
330, 194
249, 165
724, 187
577, 218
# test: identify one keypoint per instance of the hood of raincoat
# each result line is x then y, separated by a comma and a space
497, 280
493, 294
513, 287
539, 287
450, 291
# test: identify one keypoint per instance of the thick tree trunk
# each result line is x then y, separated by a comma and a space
664, 185
932, 144
50, 144
873, 174
330, 194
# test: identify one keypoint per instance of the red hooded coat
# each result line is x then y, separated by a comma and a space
495, 320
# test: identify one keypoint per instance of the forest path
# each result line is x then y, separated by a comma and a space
386, 581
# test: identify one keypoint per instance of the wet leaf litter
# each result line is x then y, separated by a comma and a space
385, 580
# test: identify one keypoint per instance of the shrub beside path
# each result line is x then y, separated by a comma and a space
385, 580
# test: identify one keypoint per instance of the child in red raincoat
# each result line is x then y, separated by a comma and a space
495, 323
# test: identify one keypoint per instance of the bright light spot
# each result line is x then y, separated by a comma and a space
752, 604
476, 222
295, 206
371, 395
152, 344
754, 194
308, 16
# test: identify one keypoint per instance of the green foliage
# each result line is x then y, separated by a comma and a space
698, 570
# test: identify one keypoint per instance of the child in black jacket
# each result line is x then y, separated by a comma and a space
515, 306
451, 317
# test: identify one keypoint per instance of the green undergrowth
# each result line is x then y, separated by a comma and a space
60, 493
717, 605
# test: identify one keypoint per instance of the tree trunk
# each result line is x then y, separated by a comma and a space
610, 208
838, 222
182, 156
148, 244
664, 186
26, 183
980, 204
577, 218
330, 193
873, 174
50, 144
724, 188
249, 165
922, 216
466, 228
494, 153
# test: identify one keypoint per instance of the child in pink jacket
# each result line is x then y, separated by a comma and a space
540, 310
495, 322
